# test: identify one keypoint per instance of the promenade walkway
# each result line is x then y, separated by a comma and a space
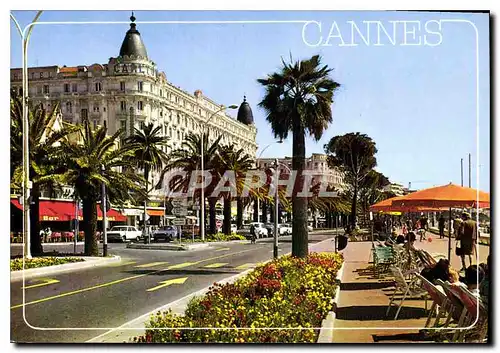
364, 299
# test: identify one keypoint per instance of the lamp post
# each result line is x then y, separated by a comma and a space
26, 175
276, 205
104, 220
257, 166
202, 203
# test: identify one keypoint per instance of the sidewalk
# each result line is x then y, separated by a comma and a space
363, 301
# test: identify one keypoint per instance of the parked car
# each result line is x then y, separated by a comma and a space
309, 228
260, 230
284, 229
234, 228
270, 229
124, 233
165, 233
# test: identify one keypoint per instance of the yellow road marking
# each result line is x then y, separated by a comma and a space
45, 282
122, 280
167, 283
122, 263
77, 291
216, 265
152, 264
222, 249
244, 266
185, 264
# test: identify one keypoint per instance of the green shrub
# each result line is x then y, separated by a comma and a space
17, 264
285, 293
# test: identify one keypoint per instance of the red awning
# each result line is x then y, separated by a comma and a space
65, 211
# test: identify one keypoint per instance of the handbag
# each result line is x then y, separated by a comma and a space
458, 250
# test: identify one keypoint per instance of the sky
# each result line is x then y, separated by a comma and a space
417, 102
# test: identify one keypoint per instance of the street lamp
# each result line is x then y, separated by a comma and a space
26, 175
202, 206
276, 204
104, 221
257, 165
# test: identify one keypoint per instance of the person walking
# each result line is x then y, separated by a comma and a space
468, 238
441, 226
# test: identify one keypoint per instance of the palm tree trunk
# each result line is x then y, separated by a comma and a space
264, 212
226, 226
35, 241
299, 204
239, 210
212, 201
271, 214
280, 220
89, 209
255, 210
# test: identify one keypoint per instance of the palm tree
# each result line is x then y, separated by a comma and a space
354, 154
148, 144
188, 159
44, 147
91, 161
298, 99
231, 159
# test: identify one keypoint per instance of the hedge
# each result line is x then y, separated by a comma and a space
17, 264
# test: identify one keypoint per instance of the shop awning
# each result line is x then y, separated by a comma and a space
155, 212
65, 211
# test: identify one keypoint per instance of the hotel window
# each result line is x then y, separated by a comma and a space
139, 86
179, 120
170, 132
122, 86
32, 75
123, 106
96, 108
98, 87
15, 77
179, 135
66, 87
69, 108
41, 74
161, 93
139, 105
74, 87
123, 124
46, 89
84, 114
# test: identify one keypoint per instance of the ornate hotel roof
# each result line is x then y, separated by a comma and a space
132, 43
245, 115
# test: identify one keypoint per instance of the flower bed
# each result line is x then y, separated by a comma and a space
17, 264
285, 293
215, 237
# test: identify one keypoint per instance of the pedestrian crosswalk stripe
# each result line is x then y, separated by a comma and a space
185, 264
216, 265
122, 263
244, 266
152, 264
222, 249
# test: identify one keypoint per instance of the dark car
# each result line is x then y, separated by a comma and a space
165, 233
270, 229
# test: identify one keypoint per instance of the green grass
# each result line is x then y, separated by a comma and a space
17, 264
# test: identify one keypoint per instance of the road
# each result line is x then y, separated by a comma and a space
107, 297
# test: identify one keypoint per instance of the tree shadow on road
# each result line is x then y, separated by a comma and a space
365, 285
194, 272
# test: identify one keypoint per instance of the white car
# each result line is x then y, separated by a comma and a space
284, 229
124, 233
260, 230
309, 228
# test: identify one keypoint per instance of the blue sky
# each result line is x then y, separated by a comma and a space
417, 102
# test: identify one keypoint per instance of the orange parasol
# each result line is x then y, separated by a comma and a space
450, 195
389, 205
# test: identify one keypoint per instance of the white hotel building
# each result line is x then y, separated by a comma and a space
129, 91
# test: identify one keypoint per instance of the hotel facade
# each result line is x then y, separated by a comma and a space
129, 91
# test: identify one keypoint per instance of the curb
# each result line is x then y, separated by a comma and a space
327, 325
123, 333
179, 247
42, 271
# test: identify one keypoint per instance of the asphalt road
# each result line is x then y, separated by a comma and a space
107, 297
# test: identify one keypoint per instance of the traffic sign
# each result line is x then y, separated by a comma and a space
179, 211
178, 221
179, 202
